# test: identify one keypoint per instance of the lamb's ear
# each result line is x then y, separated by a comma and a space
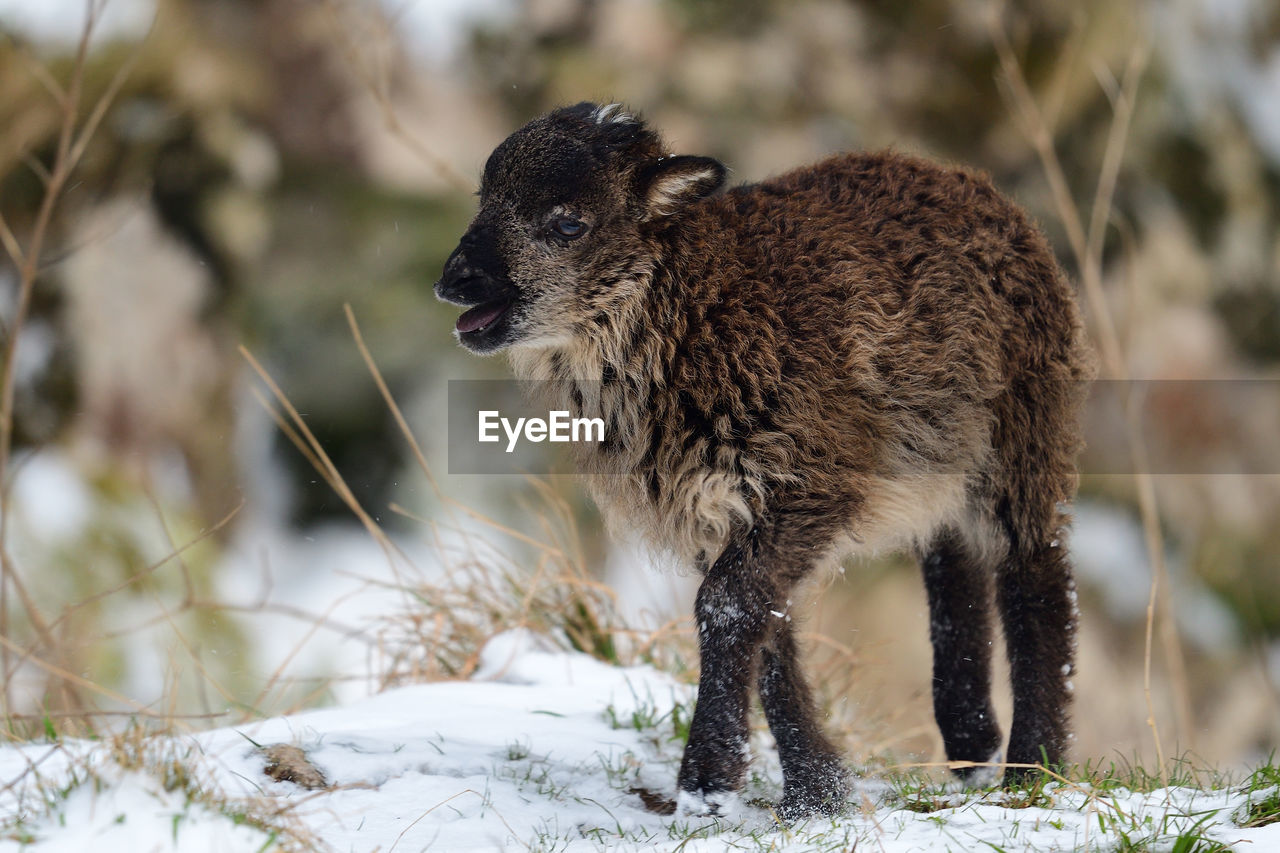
673, 182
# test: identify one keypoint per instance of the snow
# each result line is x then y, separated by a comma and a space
52, 496
724, 804
1110, 555
335, 576
1213, 58
61, 21
435, 29
108, 818
544, 750
480, 765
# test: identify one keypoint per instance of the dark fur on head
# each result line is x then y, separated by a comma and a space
595, 169
871, 352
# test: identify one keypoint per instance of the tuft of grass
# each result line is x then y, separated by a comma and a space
495, 578
518, 750
1037, 795
1265, 783
175, 768
1184, 771
1262, 813
669, 726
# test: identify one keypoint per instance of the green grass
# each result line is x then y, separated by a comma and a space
173, 768
1265, 784
648, 717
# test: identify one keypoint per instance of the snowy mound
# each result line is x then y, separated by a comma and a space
543, 750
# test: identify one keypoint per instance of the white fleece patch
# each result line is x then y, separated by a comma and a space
612, 113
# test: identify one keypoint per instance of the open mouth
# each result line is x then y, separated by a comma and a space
483, 316
489, 304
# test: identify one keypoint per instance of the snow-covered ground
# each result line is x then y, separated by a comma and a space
542, 750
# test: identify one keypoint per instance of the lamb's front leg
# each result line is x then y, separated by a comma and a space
815, 780
731, 609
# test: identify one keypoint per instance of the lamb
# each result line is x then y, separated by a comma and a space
868, 353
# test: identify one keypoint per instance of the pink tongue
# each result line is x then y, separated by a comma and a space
481, 315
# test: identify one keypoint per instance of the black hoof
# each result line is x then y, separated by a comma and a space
822, 791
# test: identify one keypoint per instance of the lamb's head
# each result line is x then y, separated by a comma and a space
568, 205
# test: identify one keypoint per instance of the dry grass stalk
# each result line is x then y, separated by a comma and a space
302, 437
54, 648
83, 683
73, 137
484, 588
370, 55
1086, 245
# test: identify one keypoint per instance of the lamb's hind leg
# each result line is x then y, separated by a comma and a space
814, 777
1036, 596
959, 590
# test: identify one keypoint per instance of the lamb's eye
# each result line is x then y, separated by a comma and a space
568, 227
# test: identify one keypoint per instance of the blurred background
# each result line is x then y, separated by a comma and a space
168, 551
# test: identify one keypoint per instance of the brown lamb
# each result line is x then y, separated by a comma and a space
868, 353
